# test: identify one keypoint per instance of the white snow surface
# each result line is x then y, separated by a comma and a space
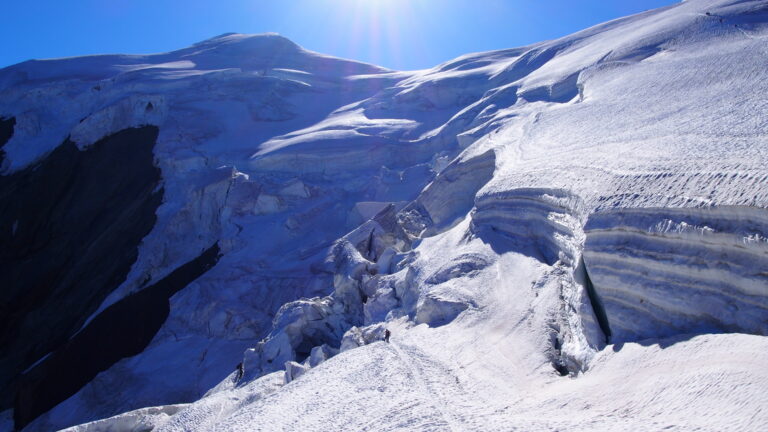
451, 206
140, 420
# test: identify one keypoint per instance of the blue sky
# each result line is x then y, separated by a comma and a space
399, 34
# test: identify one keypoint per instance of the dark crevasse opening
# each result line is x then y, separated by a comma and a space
70, 228
121, 330
597, 303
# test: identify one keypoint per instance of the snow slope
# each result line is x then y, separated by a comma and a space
570, 235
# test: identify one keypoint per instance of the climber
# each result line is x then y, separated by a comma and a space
386, 335
239, 372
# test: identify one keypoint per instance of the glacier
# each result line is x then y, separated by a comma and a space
570, 235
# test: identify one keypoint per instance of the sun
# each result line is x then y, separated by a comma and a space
380, 27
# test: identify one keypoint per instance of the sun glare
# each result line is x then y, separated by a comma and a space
379, 27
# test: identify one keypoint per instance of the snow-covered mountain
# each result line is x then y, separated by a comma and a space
571, 235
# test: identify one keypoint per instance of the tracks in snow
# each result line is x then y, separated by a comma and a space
443, 387
426, 386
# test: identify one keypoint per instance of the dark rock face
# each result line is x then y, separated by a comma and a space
70, 228
6, 132
122, 330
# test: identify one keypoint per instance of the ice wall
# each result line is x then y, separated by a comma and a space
664, 271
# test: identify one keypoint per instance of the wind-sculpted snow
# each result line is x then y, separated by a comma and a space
542, 223
662, 272
447, 205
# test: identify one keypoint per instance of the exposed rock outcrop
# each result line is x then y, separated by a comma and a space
122, 330
70, 231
